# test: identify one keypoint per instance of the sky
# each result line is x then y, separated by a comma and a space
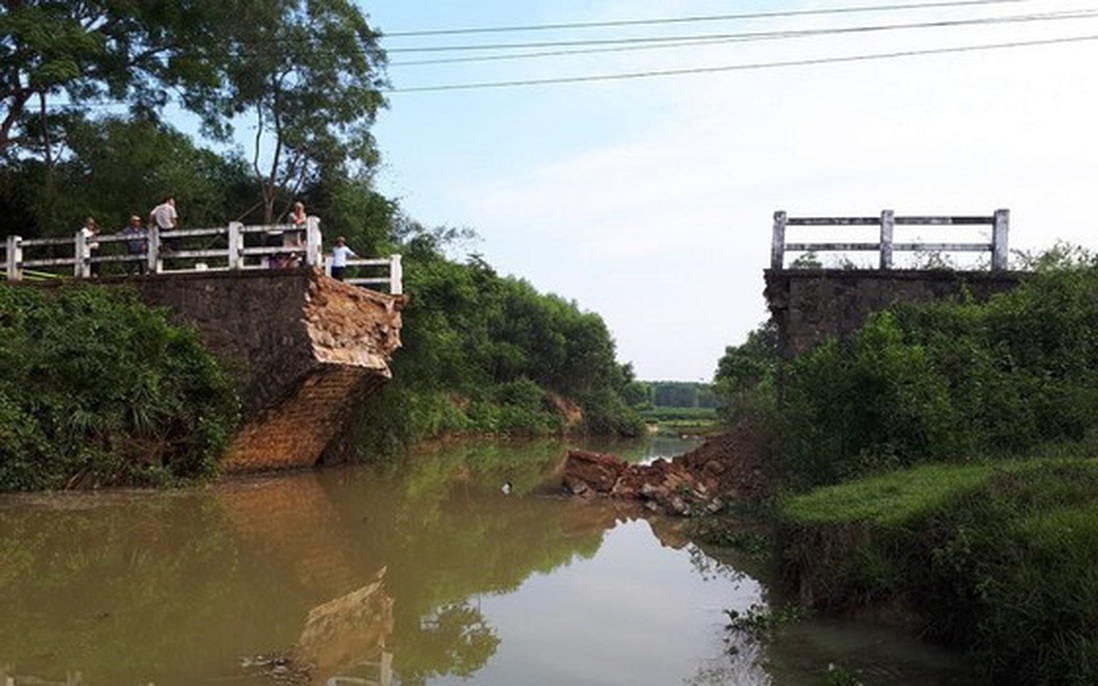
650, 200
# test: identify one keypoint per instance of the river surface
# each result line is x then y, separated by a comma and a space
417, 572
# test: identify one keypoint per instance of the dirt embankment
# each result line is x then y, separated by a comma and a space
727, 467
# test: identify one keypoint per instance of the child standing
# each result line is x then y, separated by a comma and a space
340, 253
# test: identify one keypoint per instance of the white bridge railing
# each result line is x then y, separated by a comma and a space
235, 247
999, 224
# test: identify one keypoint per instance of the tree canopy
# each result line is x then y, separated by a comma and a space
65, 57
306, 75
482, 352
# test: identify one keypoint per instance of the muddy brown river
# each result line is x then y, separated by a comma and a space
421, 571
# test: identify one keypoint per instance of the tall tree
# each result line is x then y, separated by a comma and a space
309, 72
69, 55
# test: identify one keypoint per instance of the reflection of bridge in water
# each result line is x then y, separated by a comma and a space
350, 634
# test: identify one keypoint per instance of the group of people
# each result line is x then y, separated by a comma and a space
165, 218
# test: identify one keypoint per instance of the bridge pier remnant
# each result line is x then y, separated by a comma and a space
811, 305
302, 347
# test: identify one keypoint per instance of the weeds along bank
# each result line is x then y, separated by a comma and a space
996, 559
96, 388
928, 435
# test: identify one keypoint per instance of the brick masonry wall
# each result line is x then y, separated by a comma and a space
301, 346
811, 305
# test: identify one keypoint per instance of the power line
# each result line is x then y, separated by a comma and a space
621, 44
684, 43
741, 67
696, 19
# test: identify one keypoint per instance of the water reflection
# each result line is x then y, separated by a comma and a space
421, 572
350, 633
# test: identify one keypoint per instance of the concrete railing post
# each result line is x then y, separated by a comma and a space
81, 268
396, 276
777, 245
14, 258
999, 252
155, 264
313, 241
888, 223
236, 246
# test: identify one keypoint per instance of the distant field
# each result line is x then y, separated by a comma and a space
682, 420
662, 414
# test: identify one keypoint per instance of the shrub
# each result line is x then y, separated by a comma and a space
948, 381
98, 389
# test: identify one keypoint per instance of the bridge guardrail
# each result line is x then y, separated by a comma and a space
999, 223
226, 248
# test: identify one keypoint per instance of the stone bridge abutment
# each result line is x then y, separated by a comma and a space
302, 348
809, 306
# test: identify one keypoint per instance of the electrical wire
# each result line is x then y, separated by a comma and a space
696, 19
705, 39
767, 35
617, 45
741, 67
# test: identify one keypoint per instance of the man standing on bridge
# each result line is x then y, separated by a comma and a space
165, 219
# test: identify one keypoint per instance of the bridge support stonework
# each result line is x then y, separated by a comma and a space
302, 347
811, 305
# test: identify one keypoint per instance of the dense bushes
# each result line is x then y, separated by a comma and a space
485, 354
996, 559
96, 388
996, 555
948, 382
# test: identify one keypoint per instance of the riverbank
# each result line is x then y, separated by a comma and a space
996, 560
992, 559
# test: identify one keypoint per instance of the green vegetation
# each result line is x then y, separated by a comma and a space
647, 396
951, 447
746, 378
674, 407
996, 558
483, 353
949, 382
677, 421
759, 621
311, 101
98, 389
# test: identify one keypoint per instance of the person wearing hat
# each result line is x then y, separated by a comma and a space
340, 253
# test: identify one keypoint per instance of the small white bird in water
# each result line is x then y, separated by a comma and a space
506, 488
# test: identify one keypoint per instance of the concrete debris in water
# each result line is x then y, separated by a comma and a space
700, 482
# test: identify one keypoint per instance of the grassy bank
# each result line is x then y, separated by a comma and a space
679, 421
996, 559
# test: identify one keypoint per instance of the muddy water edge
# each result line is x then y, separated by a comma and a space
421, 571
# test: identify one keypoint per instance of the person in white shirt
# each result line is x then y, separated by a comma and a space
165, 219
90, 232
340, 253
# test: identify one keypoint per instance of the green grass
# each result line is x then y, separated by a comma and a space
680, 414
997, 559
889, 498
682, 420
